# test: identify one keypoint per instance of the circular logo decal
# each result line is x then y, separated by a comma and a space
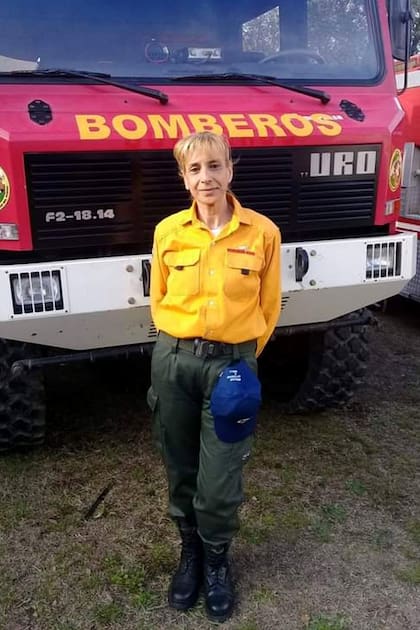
395, 167
4, 189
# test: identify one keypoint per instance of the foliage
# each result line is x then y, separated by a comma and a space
415, 39
262, 33
333, 26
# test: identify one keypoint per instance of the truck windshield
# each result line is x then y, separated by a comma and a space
334, 41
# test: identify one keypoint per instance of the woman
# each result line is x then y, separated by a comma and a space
215, 296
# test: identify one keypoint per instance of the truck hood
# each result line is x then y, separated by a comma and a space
102, 117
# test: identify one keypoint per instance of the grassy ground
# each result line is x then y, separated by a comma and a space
330, 536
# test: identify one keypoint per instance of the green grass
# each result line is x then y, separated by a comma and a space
383, 539
248, 625
323, 622
334, 513
259, 524
161, 558
414, 531
13, 512
134, 580
6, 599
263, 595
344, 477
264, 497
356, 486
329, 516
410, 575
293, 522
109, 612
14, 466
145, 599
131, 579
322, 530
257, 531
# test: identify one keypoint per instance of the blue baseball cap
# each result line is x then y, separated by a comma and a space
235, 401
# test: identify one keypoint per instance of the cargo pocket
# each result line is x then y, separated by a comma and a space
242, 279
153, 402
240, 454
184, 272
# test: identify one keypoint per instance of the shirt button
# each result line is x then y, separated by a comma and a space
212, 302
212, 272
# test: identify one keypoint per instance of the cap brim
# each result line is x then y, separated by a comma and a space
231, 431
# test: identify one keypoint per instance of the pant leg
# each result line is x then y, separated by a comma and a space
176, 399
219, 482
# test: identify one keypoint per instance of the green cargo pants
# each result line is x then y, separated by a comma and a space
204, 473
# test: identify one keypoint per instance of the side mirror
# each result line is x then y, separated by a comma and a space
400, 17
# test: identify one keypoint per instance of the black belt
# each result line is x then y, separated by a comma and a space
205, 347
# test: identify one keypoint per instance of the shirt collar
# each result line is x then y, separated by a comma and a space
239, 214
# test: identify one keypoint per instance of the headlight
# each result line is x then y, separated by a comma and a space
36, 291
383, 260
9, 232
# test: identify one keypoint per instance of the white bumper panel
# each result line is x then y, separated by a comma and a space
412, 289
103, 302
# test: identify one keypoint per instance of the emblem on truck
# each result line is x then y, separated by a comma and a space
340, 163
4, 188
395, 167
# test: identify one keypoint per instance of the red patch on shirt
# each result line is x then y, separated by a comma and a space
241, 251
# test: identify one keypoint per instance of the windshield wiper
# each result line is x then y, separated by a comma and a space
257, 78
96, 76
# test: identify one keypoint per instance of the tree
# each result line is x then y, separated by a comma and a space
415, 37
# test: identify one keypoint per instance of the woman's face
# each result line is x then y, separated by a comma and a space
207, 176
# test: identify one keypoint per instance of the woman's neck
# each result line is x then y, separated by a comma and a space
215, 216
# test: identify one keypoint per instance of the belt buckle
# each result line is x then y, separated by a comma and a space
205, 348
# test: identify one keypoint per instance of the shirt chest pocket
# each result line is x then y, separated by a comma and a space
242, 275
184, 272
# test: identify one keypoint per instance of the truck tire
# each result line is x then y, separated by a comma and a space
317, 370
22, 404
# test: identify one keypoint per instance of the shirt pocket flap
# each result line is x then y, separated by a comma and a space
185, 258
239, 260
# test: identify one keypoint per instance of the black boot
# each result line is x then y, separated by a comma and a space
218, 587
188, 578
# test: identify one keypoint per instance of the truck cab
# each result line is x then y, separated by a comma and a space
93, 97
409, 220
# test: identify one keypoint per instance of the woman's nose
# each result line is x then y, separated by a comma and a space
205, 175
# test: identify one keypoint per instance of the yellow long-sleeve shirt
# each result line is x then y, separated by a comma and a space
223, 288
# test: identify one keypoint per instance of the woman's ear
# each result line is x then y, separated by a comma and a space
231, 172
185, 181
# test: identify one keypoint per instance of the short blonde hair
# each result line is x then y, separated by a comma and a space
200, 140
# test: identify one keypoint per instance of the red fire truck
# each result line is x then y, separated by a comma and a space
93, 96
410, 186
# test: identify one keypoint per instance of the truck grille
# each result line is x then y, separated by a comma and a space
116, 198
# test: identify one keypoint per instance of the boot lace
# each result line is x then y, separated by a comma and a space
191, 549
217, 566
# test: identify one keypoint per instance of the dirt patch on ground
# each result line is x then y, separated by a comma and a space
330, 536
